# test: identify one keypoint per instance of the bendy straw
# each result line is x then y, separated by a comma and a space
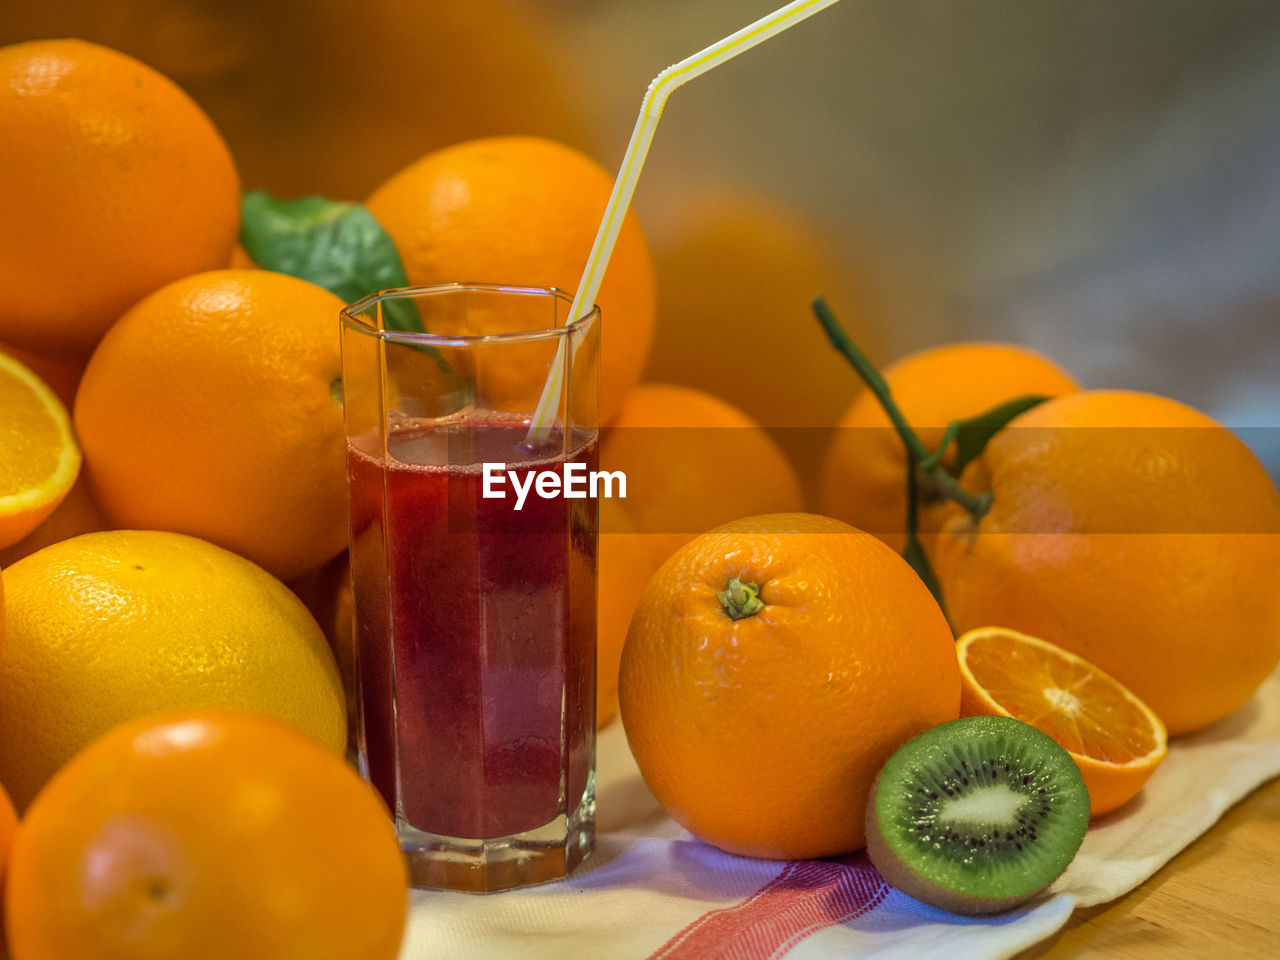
624, 185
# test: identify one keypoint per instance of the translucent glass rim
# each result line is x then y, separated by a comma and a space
356, 315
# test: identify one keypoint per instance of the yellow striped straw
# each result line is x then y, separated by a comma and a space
624, 185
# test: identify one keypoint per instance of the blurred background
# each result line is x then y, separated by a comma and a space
1096, 179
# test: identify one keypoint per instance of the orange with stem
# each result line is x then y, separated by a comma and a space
865, 465
1124, 527
772, 667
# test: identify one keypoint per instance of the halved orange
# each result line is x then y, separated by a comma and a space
1115, 739
39, 457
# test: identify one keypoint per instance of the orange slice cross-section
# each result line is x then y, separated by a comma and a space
1114, 738
39, 458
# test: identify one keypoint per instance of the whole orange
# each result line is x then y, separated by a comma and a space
212, 408
110, 626
524, 210
763, 734
1135, 532
864, 474
738, 270
119, 183
693, 461
206, 834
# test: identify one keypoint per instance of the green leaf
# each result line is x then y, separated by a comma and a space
336, 245
972, 434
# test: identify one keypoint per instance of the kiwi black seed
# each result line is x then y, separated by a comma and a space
977, 815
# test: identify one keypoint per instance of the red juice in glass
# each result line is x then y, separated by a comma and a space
477, 621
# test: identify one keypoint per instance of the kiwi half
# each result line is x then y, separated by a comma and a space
976, 815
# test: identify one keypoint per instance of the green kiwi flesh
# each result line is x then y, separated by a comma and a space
976, 815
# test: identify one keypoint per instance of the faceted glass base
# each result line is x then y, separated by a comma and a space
541, 855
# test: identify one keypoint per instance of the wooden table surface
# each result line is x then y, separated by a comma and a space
1218, 898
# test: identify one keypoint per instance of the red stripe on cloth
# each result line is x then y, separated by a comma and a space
807, 896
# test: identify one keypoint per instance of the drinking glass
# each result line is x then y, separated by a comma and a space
475, 615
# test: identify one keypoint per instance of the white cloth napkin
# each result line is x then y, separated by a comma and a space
651, 890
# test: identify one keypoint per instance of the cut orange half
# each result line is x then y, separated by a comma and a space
1114, 738
39, 458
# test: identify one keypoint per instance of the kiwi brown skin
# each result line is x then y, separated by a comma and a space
899, 875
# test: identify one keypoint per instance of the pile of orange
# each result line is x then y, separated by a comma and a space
128, 218
125, 187
207, 404
1114, 592
173, 448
